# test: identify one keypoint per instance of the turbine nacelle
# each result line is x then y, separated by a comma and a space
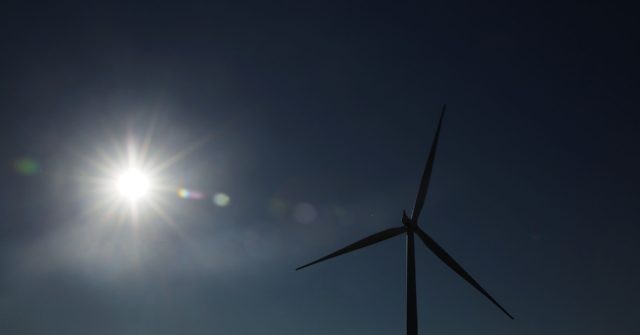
407, 221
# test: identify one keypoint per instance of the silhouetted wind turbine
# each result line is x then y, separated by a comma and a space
409, 227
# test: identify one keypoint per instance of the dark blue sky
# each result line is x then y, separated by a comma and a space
319, 117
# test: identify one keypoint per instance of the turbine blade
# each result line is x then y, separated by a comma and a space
367, 241
444, 256
426, 175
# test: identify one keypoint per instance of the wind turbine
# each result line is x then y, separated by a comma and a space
410, 227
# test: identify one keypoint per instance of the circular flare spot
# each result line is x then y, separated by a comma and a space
183, 193
221, 199
26, 166
304, 213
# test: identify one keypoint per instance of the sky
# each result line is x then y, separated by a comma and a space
313, 120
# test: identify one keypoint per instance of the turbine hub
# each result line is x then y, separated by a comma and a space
406, 220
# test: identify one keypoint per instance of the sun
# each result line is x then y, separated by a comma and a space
133, 184
132, 180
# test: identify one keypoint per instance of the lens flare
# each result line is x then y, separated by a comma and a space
304, 213
189, 194
221, 199
26, 166
183, 193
